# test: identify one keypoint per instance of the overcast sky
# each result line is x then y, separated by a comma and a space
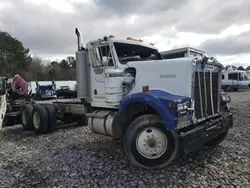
46, 27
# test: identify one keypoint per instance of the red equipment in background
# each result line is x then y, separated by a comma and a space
19, 85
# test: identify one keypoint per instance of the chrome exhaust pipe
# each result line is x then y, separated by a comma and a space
79, 40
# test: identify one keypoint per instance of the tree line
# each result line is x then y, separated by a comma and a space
237, 68
16, 59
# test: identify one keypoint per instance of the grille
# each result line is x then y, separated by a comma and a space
205, 93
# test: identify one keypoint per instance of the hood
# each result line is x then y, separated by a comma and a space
171, 75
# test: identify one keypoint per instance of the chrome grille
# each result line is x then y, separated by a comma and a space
205, 105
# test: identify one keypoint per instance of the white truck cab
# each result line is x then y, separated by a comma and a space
159, 108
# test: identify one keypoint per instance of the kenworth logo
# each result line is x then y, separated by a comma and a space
167, 75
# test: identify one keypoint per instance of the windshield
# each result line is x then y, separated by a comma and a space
243, 76
131, 52
46, 87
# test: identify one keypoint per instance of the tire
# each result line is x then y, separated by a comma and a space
217, 140
26, 116
140, 129
51, 117
228, 88
40, 119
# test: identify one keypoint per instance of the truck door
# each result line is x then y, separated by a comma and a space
234, 80
101, 59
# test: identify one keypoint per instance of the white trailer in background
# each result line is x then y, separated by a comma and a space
233, 80
182, 52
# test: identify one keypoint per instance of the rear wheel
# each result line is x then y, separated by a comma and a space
40, 119
149, 144
26, 116
51, 117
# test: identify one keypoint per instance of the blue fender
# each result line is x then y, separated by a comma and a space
158, 100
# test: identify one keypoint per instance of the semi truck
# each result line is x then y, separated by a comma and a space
160, 108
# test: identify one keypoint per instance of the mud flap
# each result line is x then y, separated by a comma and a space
3, 108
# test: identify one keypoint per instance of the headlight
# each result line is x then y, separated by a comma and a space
182, 107
184, 112
225, 98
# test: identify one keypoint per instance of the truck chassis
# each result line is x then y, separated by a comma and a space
46, 118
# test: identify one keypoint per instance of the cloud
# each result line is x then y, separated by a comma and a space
233, 44
214, 16
141, 7
47, 27
46, 30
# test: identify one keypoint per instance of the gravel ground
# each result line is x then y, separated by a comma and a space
74, 157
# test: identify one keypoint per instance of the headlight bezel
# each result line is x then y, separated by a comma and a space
184, 112
225, 98
182, 106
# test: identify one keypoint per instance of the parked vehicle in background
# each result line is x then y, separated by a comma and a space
44, 92
66, 92
234, 80
15, 94
57, 84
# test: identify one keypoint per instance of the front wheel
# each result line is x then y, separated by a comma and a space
228, 88
149, 144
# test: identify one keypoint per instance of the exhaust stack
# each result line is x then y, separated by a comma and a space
79, 40
82, 73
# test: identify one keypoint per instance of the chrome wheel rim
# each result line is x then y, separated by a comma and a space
151, 143
24, 118
36, 120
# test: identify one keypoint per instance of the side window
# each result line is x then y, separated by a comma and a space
101, 58
223, 76
232, 76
